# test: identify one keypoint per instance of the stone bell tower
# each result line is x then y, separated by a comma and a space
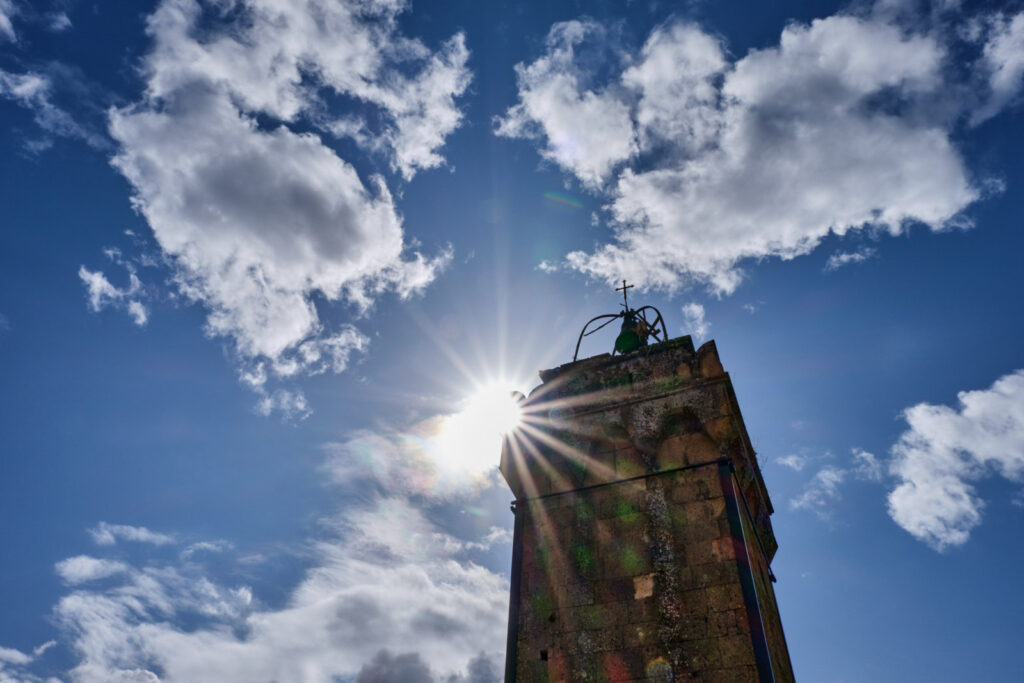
643, 543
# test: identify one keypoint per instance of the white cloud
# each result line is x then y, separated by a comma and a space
585, 131
59, 21
866, 465
843, 258
12, 656
678, 101
258, 220
109, 534
34, 91
822, 491
205, 547
1003, 58
694, 321
103, 294
13, 663
794, 461
414, 460
292, 405
945, 450
138, 313
440, 456
40, 649
385, 583
761, 157
82, 568
7, 12
548, 267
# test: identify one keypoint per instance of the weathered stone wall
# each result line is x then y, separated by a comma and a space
631, 568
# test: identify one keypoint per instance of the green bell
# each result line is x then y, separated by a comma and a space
629, 338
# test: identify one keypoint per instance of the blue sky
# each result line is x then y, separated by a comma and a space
264, 262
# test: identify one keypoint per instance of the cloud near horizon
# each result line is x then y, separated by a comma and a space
389, 593
708, 162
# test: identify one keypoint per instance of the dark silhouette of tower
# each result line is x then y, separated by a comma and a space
643, 541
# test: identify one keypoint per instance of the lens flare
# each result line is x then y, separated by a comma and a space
563, 199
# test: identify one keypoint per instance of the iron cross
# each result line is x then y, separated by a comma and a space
623, 288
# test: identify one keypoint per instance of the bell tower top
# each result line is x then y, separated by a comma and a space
638, 326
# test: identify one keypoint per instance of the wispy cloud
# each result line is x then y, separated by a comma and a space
83, 568
824, 490
102, 294
1003, 60
33, 90
844, 258
14, 663
109, 534
58, 22
821, 492
205, 547
694, 321
945, 450
7, 12
794, 461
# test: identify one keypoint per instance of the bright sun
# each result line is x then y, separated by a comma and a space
494, 409
470, 440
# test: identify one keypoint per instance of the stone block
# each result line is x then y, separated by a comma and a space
723, 548
714, 573
645, 610
629, 463
700, 655
687, 533
700, 552
582, 648
723, 623
624, 556
725, 597
640, 635
737, 650
583, 559
608, 502
684, 371
684, 450
622, 666
705, 511
591, 617
613, 590
721, 429
696, 601
573, 593
614, 530
601, 472
643, 586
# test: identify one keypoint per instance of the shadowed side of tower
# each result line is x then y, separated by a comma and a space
643, 541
